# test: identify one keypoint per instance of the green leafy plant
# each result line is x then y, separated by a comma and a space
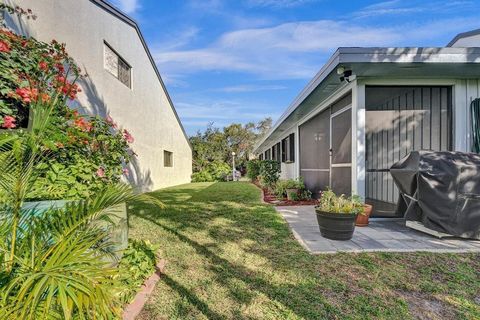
253, 169
137, 264
269, 173
282, 185
301, 193
54, 263
305, 194
330, 202
213, 171
86, 152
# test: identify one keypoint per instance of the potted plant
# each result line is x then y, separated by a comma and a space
290, 188
362, 219
336, 215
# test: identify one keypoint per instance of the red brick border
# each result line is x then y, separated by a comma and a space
136, 306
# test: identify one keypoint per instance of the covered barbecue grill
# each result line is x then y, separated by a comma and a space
440, 191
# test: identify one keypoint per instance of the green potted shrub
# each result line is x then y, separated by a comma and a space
336, 215
290, 189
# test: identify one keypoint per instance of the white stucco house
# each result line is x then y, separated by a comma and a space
367, 108
123, 82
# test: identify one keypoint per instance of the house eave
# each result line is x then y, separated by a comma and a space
369, 62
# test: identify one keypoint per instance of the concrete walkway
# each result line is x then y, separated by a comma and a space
391, 236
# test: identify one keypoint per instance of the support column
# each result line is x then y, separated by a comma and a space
358, 139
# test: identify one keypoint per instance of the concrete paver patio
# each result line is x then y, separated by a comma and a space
391, 236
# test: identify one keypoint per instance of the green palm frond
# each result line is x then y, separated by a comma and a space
54, 263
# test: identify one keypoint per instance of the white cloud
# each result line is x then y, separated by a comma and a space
220, 111
397, 7
277, 3
251, 88
127, 6
298, 50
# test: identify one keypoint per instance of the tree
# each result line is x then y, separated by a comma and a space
263, 126
215, 145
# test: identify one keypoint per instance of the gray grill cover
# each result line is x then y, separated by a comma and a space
446, 186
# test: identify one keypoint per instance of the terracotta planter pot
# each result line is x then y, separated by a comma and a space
362, 219
336, 226
290, 192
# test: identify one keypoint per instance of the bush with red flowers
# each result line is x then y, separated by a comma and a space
88, 151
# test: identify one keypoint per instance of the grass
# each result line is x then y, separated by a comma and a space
231, 257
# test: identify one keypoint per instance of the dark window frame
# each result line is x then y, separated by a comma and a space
167, 159
288, 149
121, 63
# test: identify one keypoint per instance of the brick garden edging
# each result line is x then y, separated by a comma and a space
136, 306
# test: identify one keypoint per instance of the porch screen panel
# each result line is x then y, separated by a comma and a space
399, 120
314, 152
341, 145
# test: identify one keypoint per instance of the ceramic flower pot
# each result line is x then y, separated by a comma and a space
336, 226
362, 219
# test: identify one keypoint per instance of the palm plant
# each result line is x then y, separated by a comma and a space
55, 263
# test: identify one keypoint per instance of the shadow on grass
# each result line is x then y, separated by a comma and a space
193, 299
247, 220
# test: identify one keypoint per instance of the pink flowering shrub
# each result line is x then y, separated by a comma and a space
88, 151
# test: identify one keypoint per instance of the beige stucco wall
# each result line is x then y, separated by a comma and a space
144, 109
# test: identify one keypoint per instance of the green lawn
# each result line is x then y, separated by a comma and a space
231, 257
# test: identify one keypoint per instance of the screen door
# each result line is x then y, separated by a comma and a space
341, 151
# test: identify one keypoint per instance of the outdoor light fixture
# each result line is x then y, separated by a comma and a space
344, 73
233, 166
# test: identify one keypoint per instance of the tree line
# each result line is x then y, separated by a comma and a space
212, 148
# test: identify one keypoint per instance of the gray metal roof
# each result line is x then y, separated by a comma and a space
376, 62
122, 16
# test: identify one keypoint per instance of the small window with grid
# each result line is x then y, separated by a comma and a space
117, 66
167, 158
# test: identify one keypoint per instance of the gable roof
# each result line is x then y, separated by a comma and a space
463, 35
122, 16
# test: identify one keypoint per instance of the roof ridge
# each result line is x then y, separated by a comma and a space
107, 6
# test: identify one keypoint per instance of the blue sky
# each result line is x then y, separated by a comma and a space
243, 60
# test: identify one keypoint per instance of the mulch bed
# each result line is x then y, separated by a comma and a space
271, 198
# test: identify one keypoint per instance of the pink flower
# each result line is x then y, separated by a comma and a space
100, 172
127, 136
8, 122
27, 94
126, 172
4, 46
43, 65
110, 121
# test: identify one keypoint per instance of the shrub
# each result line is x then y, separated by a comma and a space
269, 173
55, 263
213, 171
137, 264
85, 152
305, 194
330, 202
253, 169
282, 185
